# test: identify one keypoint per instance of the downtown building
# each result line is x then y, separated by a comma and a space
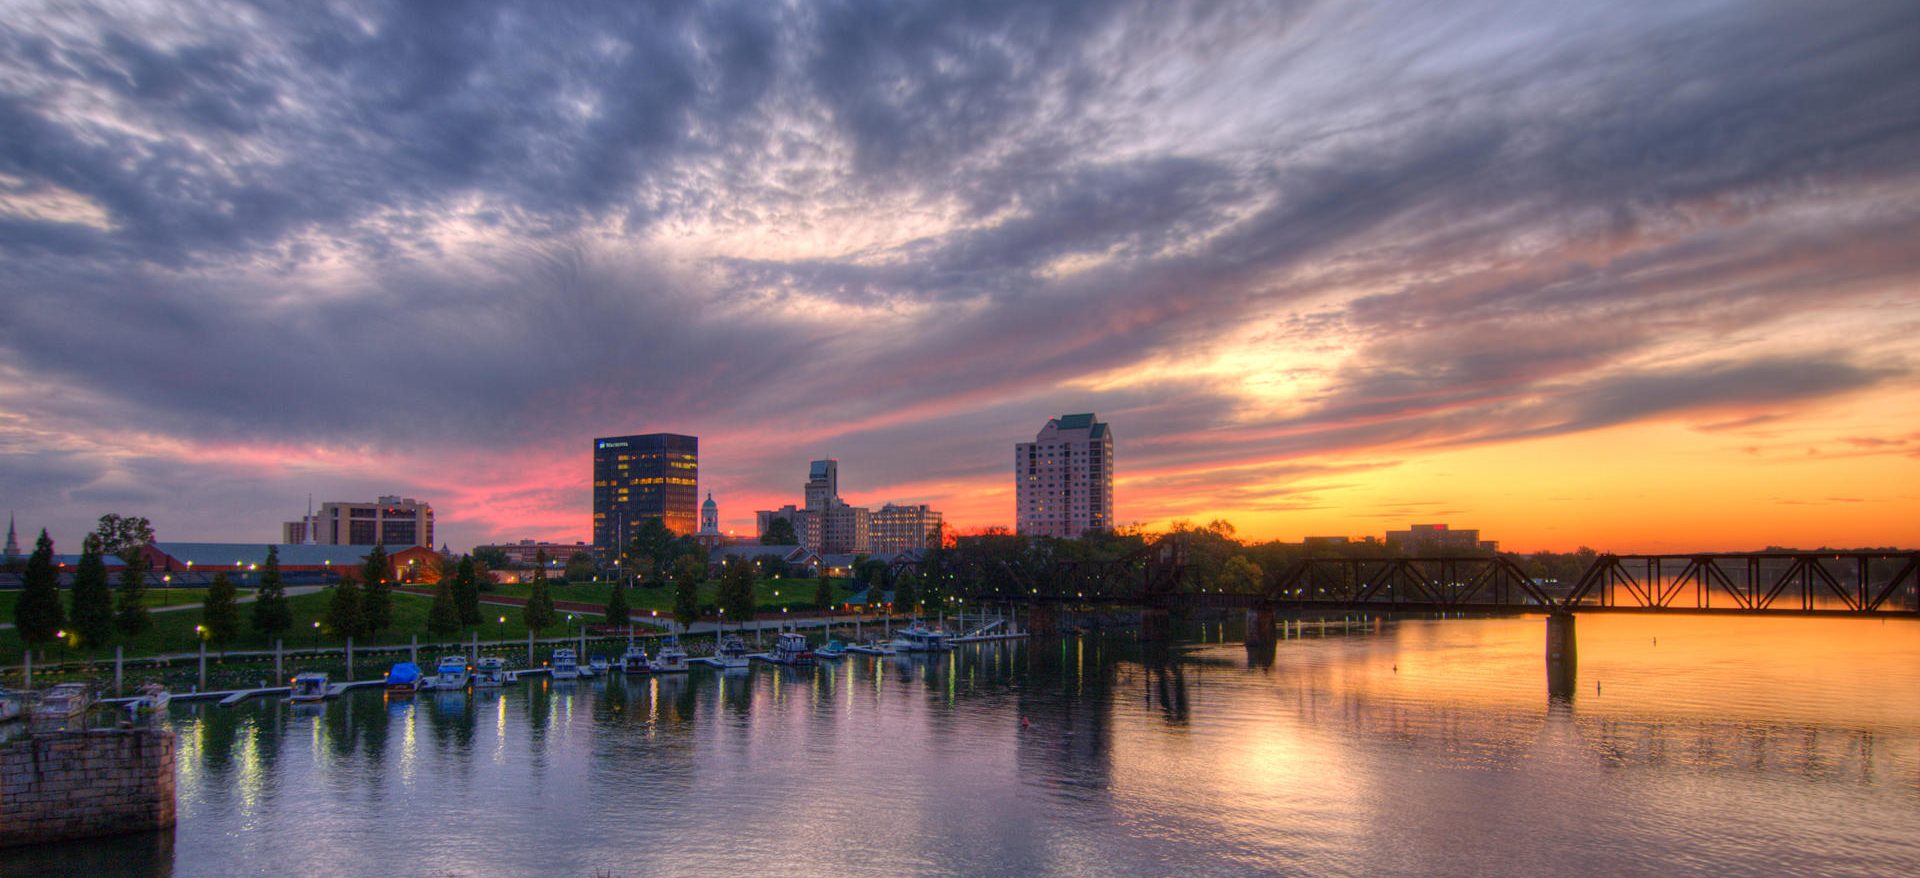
391, 521
655, 475
894, 529
829, 525
1063, 479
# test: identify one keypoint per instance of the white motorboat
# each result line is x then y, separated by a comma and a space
671, 659
731, 653
919, 638
153, 698
565, 665
599, 666
634, 660
490, 673
63, 702
309, 686
791, 649
451, 673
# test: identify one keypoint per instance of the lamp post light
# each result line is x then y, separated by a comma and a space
503, 629
316, 635
166, 589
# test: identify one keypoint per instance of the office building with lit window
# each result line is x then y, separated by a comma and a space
393, 522
1063, 479
656, 475
895, 529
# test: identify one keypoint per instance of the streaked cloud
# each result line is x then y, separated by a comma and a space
1294, 252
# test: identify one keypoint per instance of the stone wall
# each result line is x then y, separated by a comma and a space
78, 784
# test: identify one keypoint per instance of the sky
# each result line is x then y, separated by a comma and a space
1643, 276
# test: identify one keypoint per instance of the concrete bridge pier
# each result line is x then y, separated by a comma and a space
1043, 620
1156, 625
1260, 626
1563, 662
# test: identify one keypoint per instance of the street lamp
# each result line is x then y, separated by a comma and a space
316, 634
503, 629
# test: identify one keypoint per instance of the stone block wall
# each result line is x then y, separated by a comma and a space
64, 785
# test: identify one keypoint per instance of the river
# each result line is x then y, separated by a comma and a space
1416, 747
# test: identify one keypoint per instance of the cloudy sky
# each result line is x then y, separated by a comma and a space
1635, 275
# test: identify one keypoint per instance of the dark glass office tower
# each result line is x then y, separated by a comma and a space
640, 477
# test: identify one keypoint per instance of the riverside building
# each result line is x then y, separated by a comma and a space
391, 521
1063, 479
654, 475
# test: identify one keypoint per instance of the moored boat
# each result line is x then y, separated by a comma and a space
403, 679
791, 649
451, 673
490, 673
12, 704
565, 665
153, 698
832, 649
309, 686
731, 653
599, 666
919, 638
634, 660
671, 659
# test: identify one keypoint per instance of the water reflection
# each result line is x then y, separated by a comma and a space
1376, 747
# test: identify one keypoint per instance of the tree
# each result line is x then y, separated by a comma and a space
823, 593
92, 615
538, 613
780, 533
618, 613
493, 556
581, 567
272, 615
377, 601
345, 615
466, 592
654, 541
736, 590
905, 592
120, 535
876, 585
687, 574
220, 611
130, 611
540, 560
38, 616
444, 618
1241, 576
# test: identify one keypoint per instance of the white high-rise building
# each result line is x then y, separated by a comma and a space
1063, 479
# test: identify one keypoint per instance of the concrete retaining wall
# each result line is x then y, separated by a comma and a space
64, 785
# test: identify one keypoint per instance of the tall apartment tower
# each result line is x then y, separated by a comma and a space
635, 478
1063, 479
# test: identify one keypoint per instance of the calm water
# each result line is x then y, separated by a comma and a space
1695, 746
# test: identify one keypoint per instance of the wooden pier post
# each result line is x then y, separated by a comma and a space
349, 658
413, 650
203, 665
473, 650
529, 648
117, 656
26, 674
277, 671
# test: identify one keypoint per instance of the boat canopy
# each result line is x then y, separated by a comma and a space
403, 672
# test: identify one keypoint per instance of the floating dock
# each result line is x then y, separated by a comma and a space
870, 650
245, 694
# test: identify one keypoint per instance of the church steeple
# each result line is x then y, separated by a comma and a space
13, 540
709, 516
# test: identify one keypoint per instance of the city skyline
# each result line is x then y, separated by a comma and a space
1640, 278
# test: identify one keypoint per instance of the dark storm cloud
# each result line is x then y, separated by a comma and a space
1493, 213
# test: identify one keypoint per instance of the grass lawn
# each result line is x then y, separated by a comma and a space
173, 632
155, 597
